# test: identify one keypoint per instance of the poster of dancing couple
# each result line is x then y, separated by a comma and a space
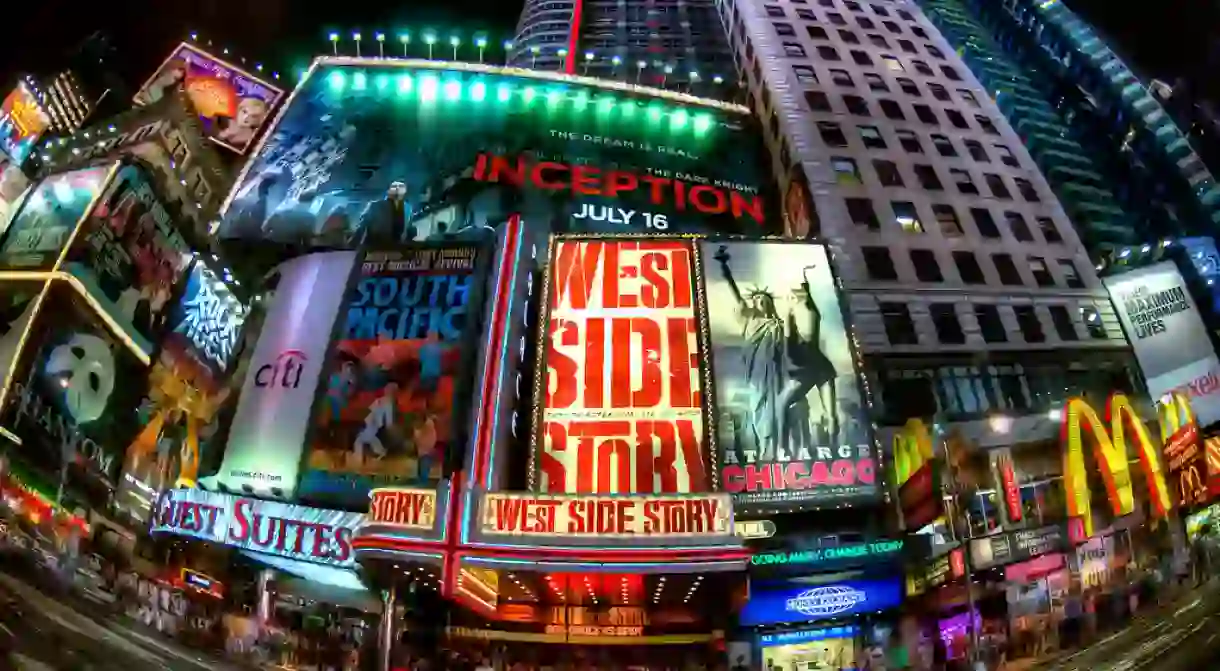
791, 426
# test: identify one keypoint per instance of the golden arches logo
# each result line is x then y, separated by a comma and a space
1110, 439
912, 449
1175, 414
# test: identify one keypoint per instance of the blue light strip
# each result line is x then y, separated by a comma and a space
806, 636
508, 320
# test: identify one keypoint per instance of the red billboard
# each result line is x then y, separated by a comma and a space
622, 410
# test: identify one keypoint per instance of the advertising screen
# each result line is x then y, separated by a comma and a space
790, 422
130, 254
13, 183
22, 122
1168, 336
623, 407
392, 382
206, 323
804, 603
232, 103
38, 232
395, 153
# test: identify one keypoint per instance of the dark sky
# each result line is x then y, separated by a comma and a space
1161, 39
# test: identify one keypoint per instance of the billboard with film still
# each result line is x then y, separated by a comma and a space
383, 152
40, 229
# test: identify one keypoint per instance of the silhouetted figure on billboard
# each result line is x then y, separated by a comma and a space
385, 221
380, 418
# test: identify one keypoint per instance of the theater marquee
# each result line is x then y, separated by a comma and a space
705, 516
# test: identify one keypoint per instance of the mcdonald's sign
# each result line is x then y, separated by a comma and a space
1121, 425
1183, 455
916, 476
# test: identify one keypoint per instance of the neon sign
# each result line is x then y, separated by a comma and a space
915, 475
849, 553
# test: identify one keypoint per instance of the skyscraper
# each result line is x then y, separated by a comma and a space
673, 44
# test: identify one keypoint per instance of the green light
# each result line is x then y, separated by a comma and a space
453, 89
359, 81
605, 104
654, 112
503, 93
580, 100
679, 118
478, 92
627, 109
336, 80
703, 122
381, 81
529, 94
405, 84
553, 98
302, 73
427, 87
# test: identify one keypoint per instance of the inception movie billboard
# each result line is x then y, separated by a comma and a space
791, 425
383, 153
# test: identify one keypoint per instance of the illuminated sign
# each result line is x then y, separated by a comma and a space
209, 318
1016, 546
915, 475
407, 508
1008, 482
623, 407
1184, 456
836, 555
295, 532
22, 122
1110, 441
707, 515
799, 604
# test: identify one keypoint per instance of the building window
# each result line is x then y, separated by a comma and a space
879, 11
861, 57
878, 263
950, 73
887, 173
906, 216
852, 5
908, 87
891, 109
990, 325
892, 27
1070, 275
1027, 190
1092, 323
919, 32
848, 36
968, 96
871, 137
856, 105
785, 30
794, 50
964, 182
806, 15
1018, 227
828, 53
774, 11
928, 178
984, 222
926, 267
841, 78
946, 216
1007, 270
996, 184
968, 267
1049, 230
948, 326
939, 92
976, 150
986, 125
832, 134
943, 146
921, 67
862, 213
892, 64
818, 101
878, 41
907, 46
866, 23
899, 327
1006, 156
1041, 272
836, 19
875, 82
1062, 320
1028, 322
805, 74
846, 172
935, 53
817, 32
905, 15
908, 139
956, 118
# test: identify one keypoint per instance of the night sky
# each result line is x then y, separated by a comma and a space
1161, 40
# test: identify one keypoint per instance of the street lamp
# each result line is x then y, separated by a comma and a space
481, 43
430, 40
334, 42
669, 70
534, 56
717, 79
639, 68
615, 61
380, 44
563, 59
584, 69
405, 40
454, 42
694, 79
356, 36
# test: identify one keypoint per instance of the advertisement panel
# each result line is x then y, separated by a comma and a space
394, 152
22, 122
1017, 546
402, 508
623, 406
1185, 460
790, 420
130, 254
393, 405
13, 183
804, 603
206, 323
73, 395
37, 234
267, 435
917, 476
832, 558
233, 104
301, 533
678, 517
1168, 336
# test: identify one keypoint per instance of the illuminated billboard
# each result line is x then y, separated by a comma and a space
622, 377
22, 122
206, 323
38, 232
232, 103
391, 152
393, 403
791, 424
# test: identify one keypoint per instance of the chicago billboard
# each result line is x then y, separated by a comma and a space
395, 152
790, 421
233, 104
1168, 336
393, 403
38, 232
621, 375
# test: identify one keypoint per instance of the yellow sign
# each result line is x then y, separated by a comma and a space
912, 449
1110, 439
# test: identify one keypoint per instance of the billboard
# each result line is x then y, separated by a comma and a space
267, 435
803, 603
790, 421
623, 381
22, 122
917, 476
233, 104
13, 183
206, 323
130, 255
38, 232
1170, 341
682, 518
395, 152
393, 401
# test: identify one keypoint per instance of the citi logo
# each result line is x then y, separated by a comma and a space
284, 372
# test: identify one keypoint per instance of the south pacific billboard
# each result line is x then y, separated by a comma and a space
382, 153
